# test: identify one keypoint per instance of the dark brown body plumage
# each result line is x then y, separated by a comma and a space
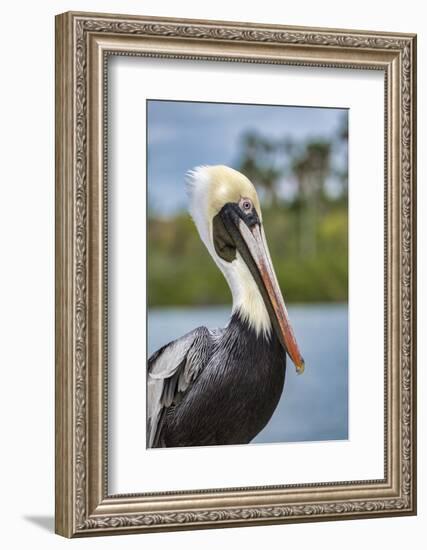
232, 396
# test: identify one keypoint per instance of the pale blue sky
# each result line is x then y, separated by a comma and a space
182, 135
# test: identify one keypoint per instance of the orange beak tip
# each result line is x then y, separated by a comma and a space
300, 368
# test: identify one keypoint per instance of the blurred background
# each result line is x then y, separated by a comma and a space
297, 157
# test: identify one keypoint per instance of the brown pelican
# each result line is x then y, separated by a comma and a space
218, 387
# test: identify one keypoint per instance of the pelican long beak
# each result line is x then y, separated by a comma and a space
256, 243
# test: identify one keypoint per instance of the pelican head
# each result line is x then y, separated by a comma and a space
226, 210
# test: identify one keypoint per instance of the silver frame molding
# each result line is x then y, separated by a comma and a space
83, 43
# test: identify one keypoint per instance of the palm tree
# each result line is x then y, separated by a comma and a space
310, 167
259, 163
341, 145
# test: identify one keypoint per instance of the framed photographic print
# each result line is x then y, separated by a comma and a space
235, 274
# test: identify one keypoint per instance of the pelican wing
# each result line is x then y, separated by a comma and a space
171, 371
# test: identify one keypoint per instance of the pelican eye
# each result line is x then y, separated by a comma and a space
245, 205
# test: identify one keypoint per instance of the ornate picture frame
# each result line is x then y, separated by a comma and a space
84, 42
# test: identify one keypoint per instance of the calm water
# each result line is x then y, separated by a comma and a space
314, 405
